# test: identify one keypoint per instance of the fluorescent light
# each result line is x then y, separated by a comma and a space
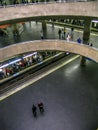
30, 55
95, 21
14, 61
4, 66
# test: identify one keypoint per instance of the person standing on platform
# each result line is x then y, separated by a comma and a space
72, 29
64, 33
42, 36
59, 33
68, 37
90, 44
79, 40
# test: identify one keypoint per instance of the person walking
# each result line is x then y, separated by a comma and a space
34, 110
41, 107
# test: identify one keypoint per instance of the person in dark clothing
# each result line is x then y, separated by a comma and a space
91, 44
41, 108
59, 33
79, 40
34, 110
72, 29
42, 35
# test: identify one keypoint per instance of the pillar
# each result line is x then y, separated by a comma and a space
86, 35
53, 23
44, 28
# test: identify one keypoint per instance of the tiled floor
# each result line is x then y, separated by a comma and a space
70, 97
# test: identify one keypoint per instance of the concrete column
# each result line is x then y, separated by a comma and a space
44, 28
86, 35
53, 24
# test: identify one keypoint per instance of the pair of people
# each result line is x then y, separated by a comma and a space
34, 109
62, 33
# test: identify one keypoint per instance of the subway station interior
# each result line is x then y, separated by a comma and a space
48, 65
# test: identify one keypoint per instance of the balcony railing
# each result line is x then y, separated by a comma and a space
5, 4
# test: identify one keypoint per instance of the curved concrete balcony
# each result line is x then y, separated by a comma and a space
42, 11
57, 45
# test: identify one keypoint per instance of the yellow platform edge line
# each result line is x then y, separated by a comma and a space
11, 92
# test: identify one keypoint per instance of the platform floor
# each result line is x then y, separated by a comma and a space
70, 97
32, 31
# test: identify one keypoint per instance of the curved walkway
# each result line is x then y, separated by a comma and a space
47, 11
58, 45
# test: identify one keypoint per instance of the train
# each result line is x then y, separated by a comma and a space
23, 64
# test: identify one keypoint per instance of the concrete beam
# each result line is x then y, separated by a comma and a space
57, 45
42, 11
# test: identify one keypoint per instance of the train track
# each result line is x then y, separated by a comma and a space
14, 83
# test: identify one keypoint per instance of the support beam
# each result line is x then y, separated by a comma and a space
44, 28
57, 45
86, 35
